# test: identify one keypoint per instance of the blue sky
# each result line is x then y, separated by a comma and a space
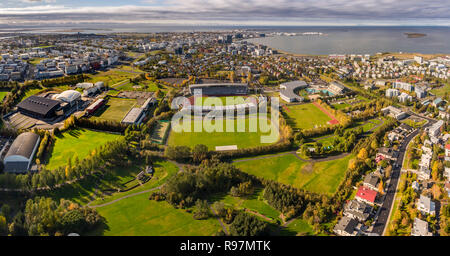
228, 12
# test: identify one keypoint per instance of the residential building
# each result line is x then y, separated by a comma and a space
426, 205
420, 228
346, 227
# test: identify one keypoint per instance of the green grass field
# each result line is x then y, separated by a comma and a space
139, 216
341, 106
299, 227
254, 203
3, 95
115, 109
222, 101
76, 142
442, 90
321, 177
91, 187
242, 139
305, 116
148, 86
111, 77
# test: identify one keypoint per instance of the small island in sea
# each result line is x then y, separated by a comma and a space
415, 35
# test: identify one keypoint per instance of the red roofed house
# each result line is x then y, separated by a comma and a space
447, 150
366, 195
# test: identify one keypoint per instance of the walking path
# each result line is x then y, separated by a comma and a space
180, 169
220, 221
124, 197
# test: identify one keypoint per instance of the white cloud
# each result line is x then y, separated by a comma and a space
238, 11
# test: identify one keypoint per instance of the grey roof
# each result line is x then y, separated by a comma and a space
23, 145
216, 85
340, 86
358, 209
290, 87
133, 115
371, 179
346, 224
38, 104
420, 228
427, 203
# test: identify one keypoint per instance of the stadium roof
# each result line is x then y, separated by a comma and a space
287, 89
216, 85
39, 105
23, 145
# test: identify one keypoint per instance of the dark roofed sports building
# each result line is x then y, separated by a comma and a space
21, 153
39, 107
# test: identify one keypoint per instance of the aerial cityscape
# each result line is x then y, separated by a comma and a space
271, 118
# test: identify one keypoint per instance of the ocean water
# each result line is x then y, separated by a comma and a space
335, 40
360, 40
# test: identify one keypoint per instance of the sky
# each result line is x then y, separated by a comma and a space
227, 12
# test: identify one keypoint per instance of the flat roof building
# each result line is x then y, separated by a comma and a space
39, 107
134, 116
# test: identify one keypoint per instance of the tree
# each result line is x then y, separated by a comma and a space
199, 153
363, 154
3, 225
201, 209
381, 187
247, 225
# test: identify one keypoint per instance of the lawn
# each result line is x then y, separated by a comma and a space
305, 116
441, 91
414, 124
149, 86
111, 77
321, 177
242, 139
31, 92
299, 227
341, 106
326, 176
139, 216
115, 109
3, 95
76, 142
91, 188
255, 203
221, 101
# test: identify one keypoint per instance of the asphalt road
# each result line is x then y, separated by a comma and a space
385, 211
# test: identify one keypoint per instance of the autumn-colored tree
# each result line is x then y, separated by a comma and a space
381, 187
363, 154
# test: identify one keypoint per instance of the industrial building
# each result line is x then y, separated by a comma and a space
21, 153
